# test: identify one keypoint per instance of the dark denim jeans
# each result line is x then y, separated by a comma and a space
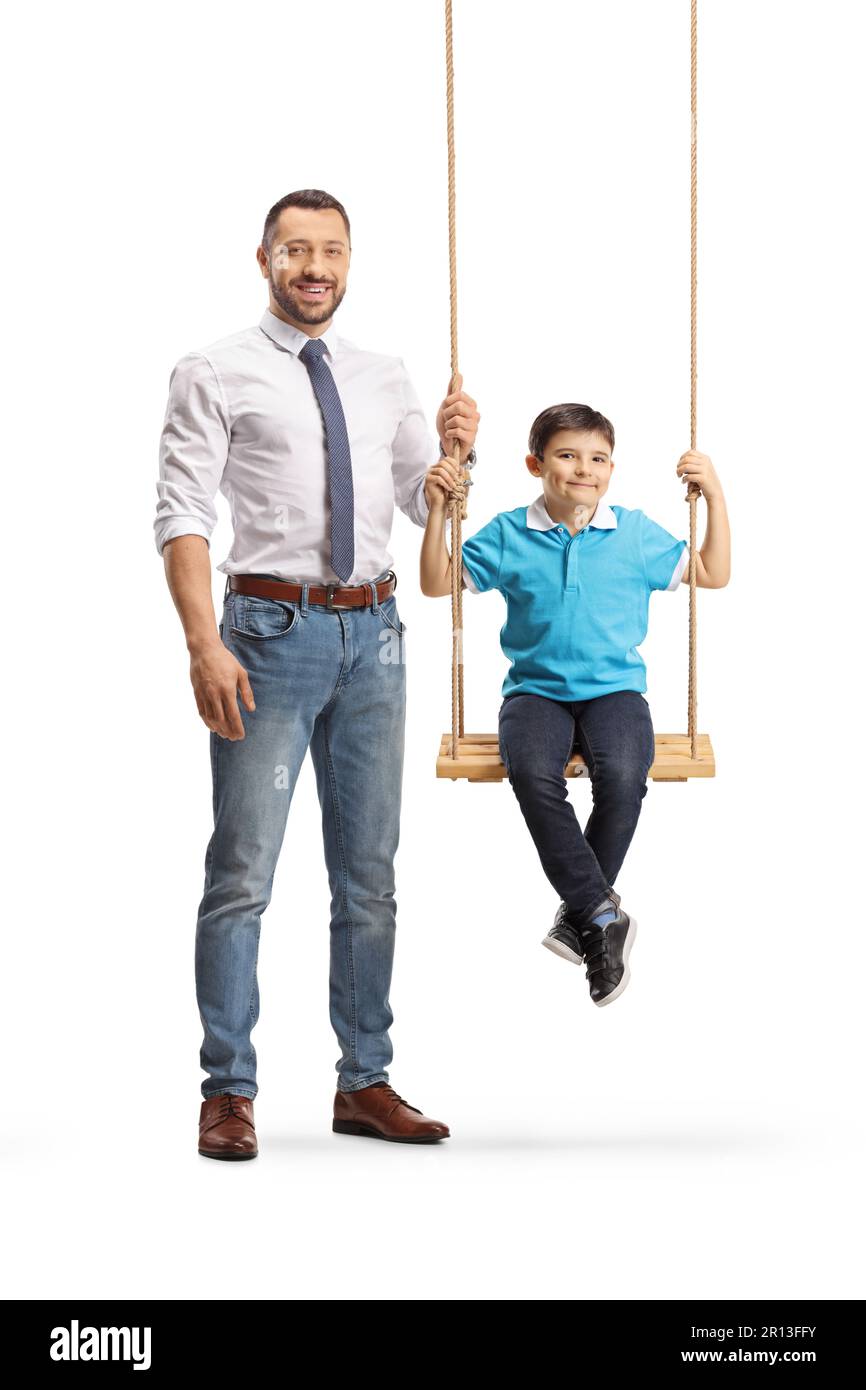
614, 734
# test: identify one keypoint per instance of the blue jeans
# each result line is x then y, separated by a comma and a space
614, 734
333, 681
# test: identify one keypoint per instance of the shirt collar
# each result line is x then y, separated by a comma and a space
285, 335
538, 517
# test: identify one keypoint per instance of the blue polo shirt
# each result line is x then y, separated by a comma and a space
577, 606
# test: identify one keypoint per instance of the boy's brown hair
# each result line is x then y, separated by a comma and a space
567, 417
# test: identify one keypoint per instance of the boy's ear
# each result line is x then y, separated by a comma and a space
533, 465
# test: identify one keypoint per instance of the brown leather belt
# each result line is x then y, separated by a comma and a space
331, 595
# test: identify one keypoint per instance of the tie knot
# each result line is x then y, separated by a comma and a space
312, 351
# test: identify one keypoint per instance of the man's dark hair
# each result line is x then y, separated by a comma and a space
567, 417
304, 198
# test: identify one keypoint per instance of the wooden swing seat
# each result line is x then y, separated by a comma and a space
478, 759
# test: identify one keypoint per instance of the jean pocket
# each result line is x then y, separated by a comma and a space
388, 609
262, 619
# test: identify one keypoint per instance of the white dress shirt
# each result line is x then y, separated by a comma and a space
242, 418
538, 518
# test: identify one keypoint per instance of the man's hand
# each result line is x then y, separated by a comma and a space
216, 678
443, 480
698, 468
458, 418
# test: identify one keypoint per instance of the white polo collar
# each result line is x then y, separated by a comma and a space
285, 335
538, 517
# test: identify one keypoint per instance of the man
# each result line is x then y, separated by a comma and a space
312, 440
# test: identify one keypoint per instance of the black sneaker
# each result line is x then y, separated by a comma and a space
606, 951
563, 939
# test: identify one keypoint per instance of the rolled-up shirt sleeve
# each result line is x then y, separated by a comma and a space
413, 453
193, 450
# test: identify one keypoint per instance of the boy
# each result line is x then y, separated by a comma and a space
576, 575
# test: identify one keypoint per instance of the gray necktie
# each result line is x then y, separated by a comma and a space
341, 493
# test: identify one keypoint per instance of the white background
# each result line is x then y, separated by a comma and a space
703, 1137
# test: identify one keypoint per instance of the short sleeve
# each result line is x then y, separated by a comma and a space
482, 557
664, 556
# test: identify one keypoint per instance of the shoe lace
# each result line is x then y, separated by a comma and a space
227, 1107
398, 1100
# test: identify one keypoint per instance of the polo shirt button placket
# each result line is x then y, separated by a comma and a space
562, 532
571, 563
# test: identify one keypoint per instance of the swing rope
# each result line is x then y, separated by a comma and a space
457, 510
694, 492
457, 506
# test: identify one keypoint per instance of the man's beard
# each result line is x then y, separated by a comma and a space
306, 313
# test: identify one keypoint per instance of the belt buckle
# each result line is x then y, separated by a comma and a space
329, 597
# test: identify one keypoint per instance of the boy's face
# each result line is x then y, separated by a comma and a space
575, 471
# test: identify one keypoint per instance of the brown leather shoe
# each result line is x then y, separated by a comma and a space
379, 1113
226, 1128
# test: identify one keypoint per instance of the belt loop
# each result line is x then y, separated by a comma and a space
374, 589
226, 589
305, 594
